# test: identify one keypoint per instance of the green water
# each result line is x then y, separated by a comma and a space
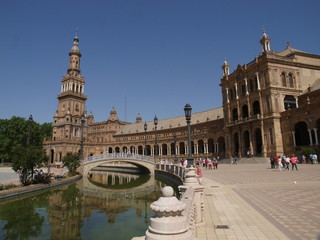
102, 207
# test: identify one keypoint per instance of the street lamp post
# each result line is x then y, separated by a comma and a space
81, 137
155, 121
145, 137
187, 111
175, 147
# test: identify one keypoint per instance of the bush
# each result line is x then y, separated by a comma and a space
7, 186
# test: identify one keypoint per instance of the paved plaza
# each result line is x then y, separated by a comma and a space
7, 175
252, 201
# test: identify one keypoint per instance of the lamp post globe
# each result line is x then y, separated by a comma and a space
187, 111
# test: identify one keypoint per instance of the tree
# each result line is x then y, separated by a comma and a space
15, 132
72, 162
25, 159
21, 144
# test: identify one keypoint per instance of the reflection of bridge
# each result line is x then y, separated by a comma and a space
123, 191
145, 163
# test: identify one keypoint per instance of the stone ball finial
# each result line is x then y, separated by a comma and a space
167, 191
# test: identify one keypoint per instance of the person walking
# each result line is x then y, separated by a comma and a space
294, 161
272, 162
199, 173
280, 166
287, 163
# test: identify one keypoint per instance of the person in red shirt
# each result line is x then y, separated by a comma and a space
293, 161
199, 173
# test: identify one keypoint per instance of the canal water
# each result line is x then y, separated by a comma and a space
107, 205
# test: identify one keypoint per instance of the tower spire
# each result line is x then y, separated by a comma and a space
225, 67
265, 41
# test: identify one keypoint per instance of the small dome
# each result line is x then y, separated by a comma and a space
75, 48
138, 118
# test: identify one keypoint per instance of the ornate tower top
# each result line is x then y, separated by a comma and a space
113, 115
226, 68
265, 42
138, 118
75, 48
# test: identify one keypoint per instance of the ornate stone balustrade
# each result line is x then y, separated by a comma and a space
173, 169
113, 156
177, 219
243, 120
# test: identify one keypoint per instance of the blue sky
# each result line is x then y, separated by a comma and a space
155, 56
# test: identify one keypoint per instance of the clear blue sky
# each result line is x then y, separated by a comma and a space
158, 55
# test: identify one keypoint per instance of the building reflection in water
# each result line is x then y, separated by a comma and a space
107, 204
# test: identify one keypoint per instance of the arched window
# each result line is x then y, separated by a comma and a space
164, 149
289, 102
290, 78
245, 111
231, 94
302, 134
210, 145
243, 90
283, 79
221, 145
200, 146
236, 144
182, 148
258, 143
246, 139
251, 85
256, 108
235, 114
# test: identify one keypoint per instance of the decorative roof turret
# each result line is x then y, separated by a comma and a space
75, 48
265, 42
226, 68
138, 118
113, 115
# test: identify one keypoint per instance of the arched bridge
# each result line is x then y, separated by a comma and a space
146, 163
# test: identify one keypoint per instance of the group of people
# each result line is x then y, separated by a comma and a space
284, 162
208, 163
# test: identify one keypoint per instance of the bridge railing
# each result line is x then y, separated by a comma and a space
112, 156
172, 169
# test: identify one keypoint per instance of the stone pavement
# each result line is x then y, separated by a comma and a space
252, 201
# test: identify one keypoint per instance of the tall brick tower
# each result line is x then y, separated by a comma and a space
67, 119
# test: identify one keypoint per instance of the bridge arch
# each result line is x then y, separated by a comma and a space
145, 163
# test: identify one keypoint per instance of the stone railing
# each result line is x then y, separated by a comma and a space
173, 169
177, 219
113, 156
243, 120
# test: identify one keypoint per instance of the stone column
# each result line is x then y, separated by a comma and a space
316, 135
246, 83
258, 81
310, 136
236, 88
227, 92
294, 138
